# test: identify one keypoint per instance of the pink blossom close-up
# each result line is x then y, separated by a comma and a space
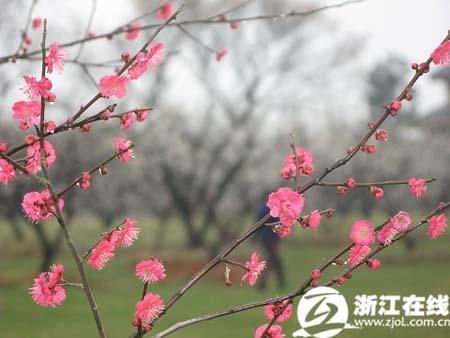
401, 221
270, 310
101, 254
377, 192
275, 331
55, 59
357, 253
362, 232
417, 186
47, 289
134, 31
113, 85
127, 234
254, 268
386, 234
286, 204
85, 181
7, 172
37, 22
165, 11
124, 146
149, 308
314, 219
39, 206
150, 271
351, 182
33, 163
27, 113
301, 163
126, 120
441, 55
141, 116
37, 89
437, 226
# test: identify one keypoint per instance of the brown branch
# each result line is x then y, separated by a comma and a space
296, 293
27, 26
229, 261
88, 27
58, 215
16, 165
221, 15
67, 126
292, 14
369, 184
313, 182
127, 64
102, 237
94, 170
306, 284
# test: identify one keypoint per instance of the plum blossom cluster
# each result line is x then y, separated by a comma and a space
47, 289
300, 164
164, 12
105, 249
397, 224
280, 311
254, 268
151, 305
286, 205
39, 206
127, 119
116, 85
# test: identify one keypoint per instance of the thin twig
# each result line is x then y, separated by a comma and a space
88, 28
94, 170
290, 296
229, 261
102, 237
292, 14
370, 184
313, 182
58, 215
66, 127
24, 32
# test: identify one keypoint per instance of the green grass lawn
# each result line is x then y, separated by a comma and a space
116, 290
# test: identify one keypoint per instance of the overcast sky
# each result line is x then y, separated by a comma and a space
410, 28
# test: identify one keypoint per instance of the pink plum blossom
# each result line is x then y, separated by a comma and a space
165, 11
7, 172
27, 113
270, 310
254, 268
47, 289
417, 187
441, 55
149, 308
135, 30
357, 253
124, 145
151, 270
437, 226
286, 204
275, 331
113, 85
55, 58
362, 232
